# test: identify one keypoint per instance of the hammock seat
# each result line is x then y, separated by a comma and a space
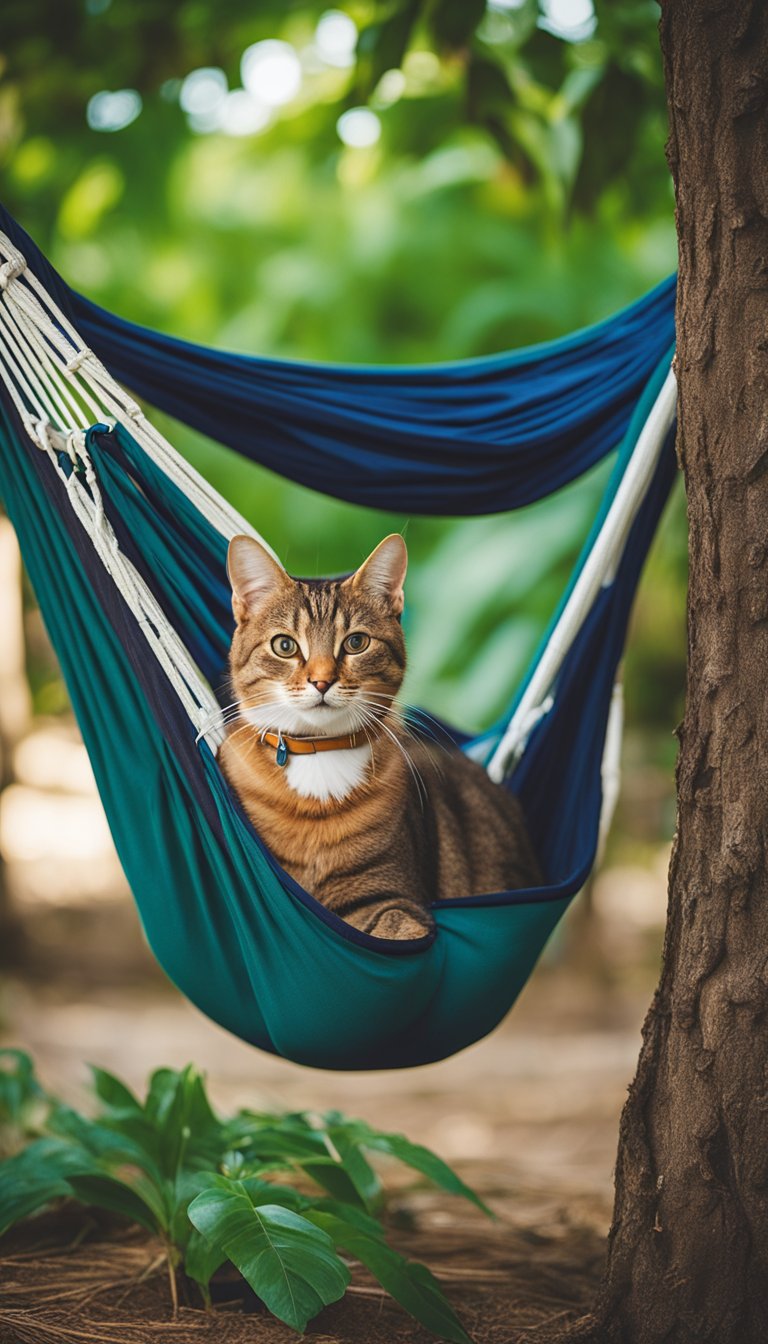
125, 546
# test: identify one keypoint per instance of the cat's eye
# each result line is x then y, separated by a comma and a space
356, 642
284, 646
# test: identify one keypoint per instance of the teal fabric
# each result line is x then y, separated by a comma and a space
308, 995
232, 932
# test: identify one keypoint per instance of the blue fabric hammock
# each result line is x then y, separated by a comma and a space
126, 547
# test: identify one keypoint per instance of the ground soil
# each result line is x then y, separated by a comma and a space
72, 1276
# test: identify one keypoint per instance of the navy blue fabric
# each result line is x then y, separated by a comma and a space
476, 436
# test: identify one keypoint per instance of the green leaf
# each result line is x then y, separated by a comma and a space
278, 1144
107, 1192
412, 1285
288, 1261
331, 1156
416, 1156
382, 45
349, 1213
135, 1130
100, 1150
275, 1136
201, 1260
269, 1192
355, 1165
178, 1110
59, 1168
111, 1144
488, 91
38, 1175
21, 1095
114, 1094
428, 1163
329, 1174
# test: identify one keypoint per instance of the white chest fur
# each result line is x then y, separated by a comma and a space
328, 774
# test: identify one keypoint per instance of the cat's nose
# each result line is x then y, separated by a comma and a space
321, 686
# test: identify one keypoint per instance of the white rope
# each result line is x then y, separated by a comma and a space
598, 570
85, 497
59, 387
610, 769
39, 369
81, 412
54, 333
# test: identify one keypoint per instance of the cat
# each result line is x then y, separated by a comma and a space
374, 821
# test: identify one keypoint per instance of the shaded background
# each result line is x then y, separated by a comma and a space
402, 183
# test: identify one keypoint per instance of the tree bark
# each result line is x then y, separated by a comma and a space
688, 1249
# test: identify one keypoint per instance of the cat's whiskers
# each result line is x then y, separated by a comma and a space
227, 713
389, 709
401, 711
393, 711
236, 713
361, 709
419, 714
377, 721
421, 787
246, 726
366, 711
398, 713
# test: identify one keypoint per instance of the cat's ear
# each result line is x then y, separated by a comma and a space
383, 573
253, 574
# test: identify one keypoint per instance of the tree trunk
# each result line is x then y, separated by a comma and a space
688, 1250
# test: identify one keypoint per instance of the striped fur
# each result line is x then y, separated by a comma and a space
378, 838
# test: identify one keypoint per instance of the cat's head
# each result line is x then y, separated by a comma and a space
316, 656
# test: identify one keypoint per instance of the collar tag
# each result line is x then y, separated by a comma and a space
281, 755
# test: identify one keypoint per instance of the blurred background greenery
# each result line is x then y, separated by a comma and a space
416, 181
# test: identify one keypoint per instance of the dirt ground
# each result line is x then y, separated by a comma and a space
72, 1276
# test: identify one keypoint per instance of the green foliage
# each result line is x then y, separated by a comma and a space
508, 69
518, 190
22, 1100
412, 1285
289, 1262
206, 1185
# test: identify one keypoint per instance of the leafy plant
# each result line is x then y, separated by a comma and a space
22, 1100
288, 1199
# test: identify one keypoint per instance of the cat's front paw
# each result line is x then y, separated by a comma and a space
396, 923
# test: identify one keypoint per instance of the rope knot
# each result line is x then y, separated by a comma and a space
74, 446
10, 270
41, 432
80, 356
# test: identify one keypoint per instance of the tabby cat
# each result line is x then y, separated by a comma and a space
374, 821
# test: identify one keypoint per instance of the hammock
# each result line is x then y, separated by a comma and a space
125, 545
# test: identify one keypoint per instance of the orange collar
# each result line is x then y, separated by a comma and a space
286, 746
